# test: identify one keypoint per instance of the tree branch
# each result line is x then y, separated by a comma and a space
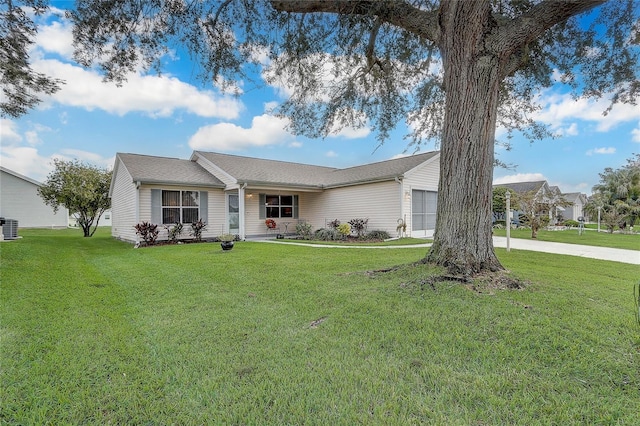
512, 38
398, 13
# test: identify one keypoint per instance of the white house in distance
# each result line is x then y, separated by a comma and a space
545, 192
19, 200
576, 209
236, 194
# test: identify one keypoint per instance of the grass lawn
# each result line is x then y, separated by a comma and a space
571, 236
96, 332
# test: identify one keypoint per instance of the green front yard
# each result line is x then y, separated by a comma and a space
96, 332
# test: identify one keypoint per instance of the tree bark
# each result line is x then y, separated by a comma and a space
463, 241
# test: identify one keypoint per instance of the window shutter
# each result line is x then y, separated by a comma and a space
156, 206
295, 206
262, 199
204, 206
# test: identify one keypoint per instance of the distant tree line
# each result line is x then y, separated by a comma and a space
617, 196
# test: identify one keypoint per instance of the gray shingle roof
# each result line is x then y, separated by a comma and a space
522, 187
150, 169
256, 170
382, 170
572, 196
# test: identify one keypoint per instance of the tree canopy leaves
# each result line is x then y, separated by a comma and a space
357, 63
21, 85
81, 188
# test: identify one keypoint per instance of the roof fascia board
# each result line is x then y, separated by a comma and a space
115, 171
365, 181
276, 186
181, 184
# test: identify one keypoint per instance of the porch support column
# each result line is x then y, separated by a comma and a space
241, 212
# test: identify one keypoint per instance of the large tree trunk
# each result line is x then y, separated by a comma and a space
463, 240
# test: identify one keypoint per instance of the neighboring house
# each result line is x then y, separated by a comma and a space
546, 193
576, 210
541, 190
236, 194
19, 200
105, 219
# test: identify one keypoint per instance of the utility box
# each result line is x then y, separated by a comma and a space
9, 228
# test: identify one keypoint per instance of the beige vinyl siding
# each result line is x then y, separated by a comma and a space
254, 225
424, 178
215, 207
123, 206
20, 201
378, 202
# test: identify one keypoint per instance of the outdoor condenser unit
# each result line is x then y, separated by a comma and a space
10, 229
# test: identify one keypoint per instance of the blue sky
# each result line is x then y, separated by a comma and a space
173, 114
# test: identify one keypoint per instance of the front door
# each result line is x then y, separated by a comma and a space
233, 213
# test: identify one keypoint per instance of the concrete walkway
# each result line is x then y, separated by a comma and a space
593, 252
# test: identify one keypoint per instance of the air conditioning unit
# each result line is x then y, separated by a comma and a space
10, 229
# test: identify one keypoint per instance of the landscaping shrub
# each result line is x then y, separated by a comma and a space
378, 234
344, 230
572, 223
334, 224
326, 234
303, 230
197, 228
174, 232
148, 231
359, 226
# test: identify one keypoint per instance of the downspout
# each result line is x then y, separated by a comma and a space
137, 212
241, 214
401, 198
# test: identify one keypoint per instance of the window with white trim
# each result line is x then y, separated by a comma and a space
423, 210
180, 206
278, 206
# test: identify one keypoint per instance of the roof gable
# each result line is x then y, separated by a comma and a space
171, 171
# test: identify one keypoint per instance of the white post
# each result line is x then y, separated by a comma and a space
508, 196
599, 208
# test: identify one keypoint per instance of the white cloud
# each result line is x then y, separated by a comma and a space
295, 144
87, 157
32, 137
331, 154
25, 160
351, 133
265, 130
9, 132
520, 177
559, 110
56, 38
153, 95
635, 134
157, 96
19, 152
572, 130
607, 150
